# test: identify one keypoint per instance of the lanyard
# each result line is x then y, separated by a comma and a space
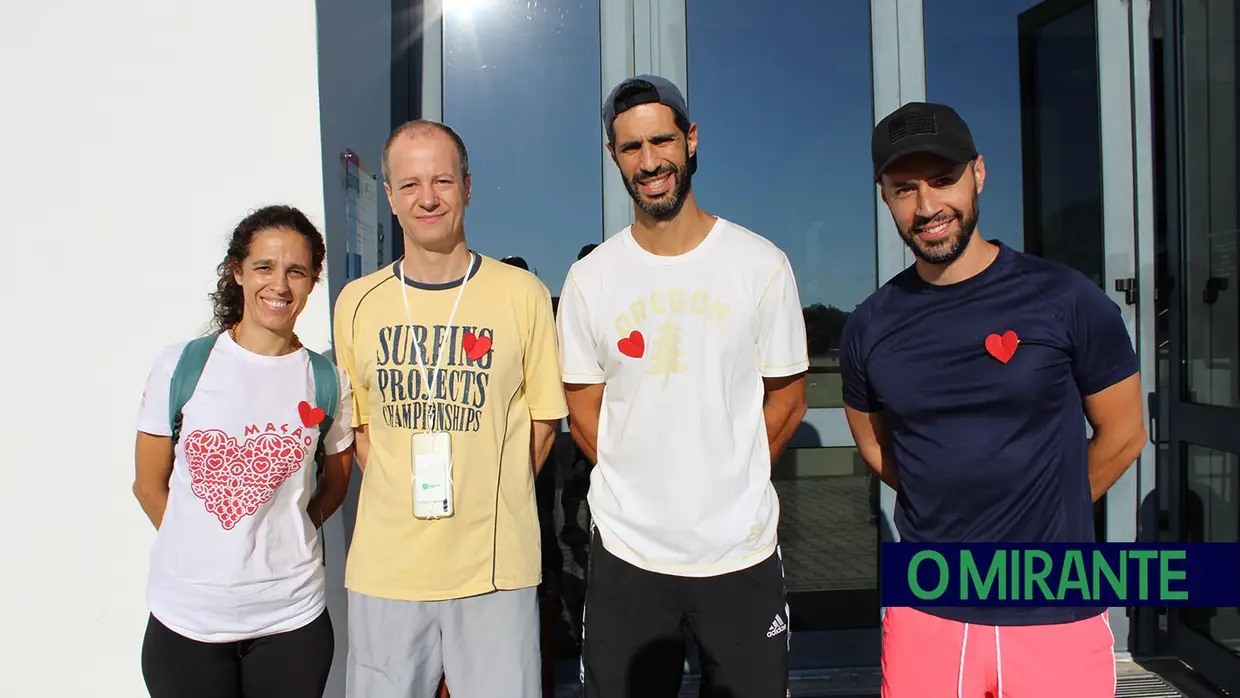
430, 392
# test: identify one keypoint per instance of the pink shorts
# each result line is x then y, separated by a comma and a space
925, 656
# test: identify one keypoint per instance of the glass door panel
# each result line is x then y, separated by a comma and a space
783, 102
1202, 158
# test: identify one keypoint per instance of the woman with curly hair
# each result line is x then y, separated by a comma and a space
243, 450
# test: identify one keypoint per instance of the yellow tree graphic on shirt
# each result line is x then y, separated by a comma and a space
665, 357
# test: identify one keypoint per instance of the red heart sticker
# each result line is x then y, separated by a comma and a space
1002, 347
310, 416
475, 347
633, 345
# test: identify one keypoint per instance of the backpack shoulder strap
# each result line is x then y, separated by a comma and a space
326, 397
326, 389
185, 378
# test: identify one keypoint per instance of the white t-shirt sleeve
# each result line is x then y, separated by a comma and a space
782, 346
153, 410
340, 436
579, 351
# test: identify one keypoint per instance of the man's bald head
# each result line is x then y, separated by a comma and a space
425, 127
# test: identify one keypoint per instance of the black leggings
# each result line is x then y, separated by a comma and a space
294, 664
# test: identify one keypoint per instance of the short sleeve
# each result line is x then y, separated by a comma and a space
858, 393
1102, 348
578, 350
340, 435
342, 339
543, 390
782, 346
153, 409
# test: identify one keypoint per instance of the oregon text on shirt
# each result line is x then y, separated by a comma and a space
988, 451
683, 481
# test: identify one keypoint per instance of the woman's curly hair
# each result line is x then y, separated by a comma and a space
228, 300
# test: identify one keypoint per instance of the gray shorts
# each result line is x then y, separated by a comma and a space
487, 646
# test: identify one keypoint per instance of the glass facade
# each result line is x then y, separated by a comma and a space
520, 85
1109, 131
987, 94
1200, 167
1211, 176
1211, 514
1033, 108
780, 156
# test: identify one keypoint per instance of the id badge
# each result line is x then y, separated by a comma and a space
432, 469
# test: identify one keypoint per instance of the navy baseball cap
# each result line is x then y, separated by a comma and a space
643, 89
921, 127
646, 89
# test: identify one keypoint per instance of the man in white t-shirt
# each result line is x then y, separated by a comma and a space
684, 355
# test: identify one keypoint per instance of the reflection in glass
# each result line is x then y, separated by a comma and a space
521, 86
1061, 142
1211, 217
1211, 511
1033, 108
986, 93
782, 100
828, 525
1163, 148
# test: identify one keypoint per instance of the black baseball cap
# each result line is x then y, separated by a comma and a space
921, 127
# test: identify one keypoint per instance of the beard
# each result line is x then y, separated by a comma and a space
668, 205
949, 249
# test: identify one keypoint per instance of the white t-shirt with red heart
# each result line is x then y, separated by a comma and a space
682, 345
236, 556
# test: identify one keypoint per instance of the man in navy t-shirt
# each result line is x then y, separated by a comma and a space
968, 380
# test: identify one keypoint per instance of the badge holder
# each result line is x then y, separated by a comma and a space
431, 452
432, 475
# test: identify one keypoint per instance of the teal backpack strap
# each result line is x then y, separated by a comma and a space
185, 378
326, 397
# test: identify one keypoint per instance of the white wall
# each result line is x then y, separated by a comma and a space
355, 86
135, 134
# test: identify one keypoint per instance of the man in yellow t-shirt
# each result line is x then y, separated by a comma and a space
456, 390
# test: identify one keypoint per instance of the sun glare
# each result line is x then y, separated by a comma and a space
464, 9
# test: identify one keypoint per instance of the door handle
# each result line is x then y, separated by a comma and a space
1128, 287
1151, 409
1214, 286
